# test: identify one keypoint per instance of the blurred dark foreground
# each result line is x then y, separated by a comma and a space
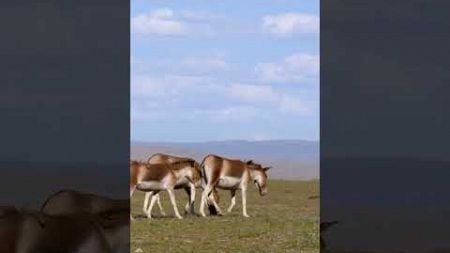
67, 221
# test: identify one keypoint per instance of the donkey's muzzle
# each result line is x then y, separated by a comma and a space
263, 193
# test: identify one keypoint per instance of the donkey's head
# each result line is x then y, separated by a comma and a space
259, 176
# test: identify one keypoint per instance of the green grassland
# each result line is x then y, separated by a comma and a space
285, 220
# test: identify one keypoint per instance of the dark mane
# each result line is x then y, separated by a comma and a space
254, 166
184, 160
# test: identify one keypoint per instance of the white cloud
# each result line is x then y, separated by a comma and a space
203, 65
199, 16
203, 97
166, 22
260, 137
159, 22
266, 95
288, 24
253, 93
153, 96
168, 87
292, 105
240, 113
183, 66
296, 68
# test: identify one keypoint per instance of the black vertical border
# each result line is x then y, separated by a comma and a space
64, 99
385, 125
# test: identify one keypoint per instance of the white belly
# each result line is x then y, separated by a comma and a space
229, 183
150, 186
182, 182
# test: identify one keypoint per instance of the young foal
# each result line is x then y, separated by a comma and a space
231, 175
156, 177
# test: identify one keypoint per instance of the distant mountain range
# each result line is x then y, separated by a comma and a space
290, 159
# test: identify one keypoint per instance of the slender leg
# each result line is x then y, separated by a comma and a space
174, 203
212, 209
203, 199
187, 207
132, 188
152, 202
233, 200
244, 201
213, 200
155, 198
146, 199
161, 209
192, 199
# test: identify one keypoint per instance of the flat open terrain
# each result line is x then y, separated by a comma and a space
286, 220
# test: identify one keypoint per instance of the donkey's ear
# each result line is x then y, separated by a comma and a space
267, 168
249, 162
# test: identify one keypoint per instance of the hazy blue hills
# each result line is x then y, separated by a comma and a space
291, 159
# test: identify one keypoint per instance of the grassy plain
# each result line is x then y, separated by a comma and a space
286, 221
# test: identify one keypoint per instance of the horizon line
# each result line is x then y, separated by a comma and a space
226, 140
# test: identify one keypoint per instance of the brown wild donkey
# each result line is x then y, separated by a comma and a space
157, 177
160, 158
231, 175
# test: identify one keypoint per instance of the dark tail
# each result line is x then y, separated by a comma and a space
203, 172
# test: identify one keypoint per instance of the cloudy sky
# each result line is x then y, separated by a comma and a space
224, 71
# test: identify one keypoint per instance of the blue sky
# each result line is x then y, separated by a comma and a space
224, 70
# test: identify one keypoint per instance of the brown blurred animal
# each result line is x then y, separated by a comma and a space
24, 231
9, 229
111, 214
66, 202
